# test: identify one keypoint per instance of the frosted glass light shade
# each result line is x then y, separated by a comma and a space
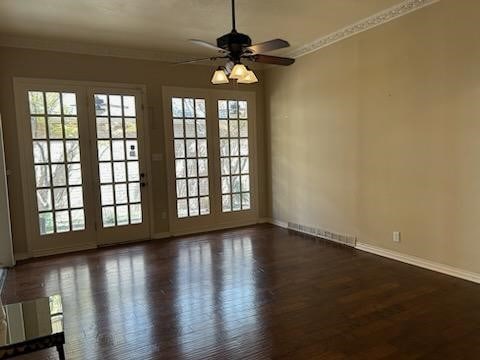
238, 71
219, 77
249, 78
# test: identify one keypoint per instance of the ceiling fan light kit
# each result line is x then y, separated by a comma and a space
236, 47
220, 76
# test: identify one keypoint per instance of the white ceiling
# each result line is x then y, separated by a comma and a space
165, 25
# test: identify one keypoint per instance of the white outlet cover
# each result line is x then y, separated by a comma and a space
396, 236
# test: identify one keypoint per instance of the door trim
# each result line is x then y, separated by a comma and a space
19, 84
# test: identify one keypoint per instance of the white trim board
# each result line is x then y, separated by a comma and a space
403, 8
423, 263
407, 259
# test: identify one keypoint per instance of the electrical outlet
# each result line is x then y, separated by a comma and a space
396, 236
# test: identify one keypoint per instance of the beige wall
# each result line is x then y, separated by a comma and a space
53, 65
381, 132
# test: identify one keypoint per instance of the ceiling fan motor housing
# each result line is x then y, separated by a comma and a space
234, 42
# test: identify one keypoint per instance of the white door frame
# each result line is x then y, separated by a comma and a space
216, 220
21, 85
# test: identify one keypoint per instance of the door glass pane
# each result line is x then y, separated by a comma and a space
58, 169
234, 155
191, 157
117, 155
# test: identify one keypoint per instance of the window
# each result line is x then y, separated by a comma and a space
191, 157
56, 155
118, 159
234, 155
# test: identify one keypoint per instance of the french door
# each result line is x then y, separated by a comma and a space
83, 167
211, 163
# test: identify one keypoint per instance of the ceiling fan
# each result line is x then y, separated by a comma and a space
236, 47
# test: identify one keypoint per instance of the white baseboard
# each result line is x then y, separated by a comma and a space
280, 223
416, 261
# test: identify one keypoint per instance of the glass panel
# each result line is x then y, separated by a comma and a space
115, 105
55, 130
108, 216
129, 106
243, 128
190, 128
59, 177
71, 127
76, 197
122, 215
121, 196
201, 128
180, 168
226, 203
200, 108
178, 128
232, 109
204, 206
134, 192
118, 150
223, 128
62, 221
235, 184
78, 219
105, 170
225, 166
236, 202
233, 128
192, 168
39, 127
53, 103
190, 147
117, 128
44, 199
234, 150
106, 192
133, 171
119, 171
60, 197
74, 174
132, 149
202, 167
136, 214
73, 150
131, 128
234, 165
42, 175
222, 109
225, 184
245, 183
36, 102
103, 128
177, 108
69, 101
182, 208
46, 223
101, 105
57, 151
40, 152
188, 108
203, 186
246, 201
242, 109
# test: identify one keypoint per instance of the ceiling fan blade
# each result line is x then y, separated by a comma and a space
268, 46
206, 44
268, 59
201, 59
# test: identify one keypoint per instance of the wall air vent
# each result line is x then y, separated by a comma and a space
324, 234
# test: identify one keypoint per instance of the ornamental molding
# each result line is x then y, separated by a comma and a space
380, 18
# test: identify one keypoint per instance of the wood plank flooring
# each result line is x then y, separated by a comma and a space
257, 292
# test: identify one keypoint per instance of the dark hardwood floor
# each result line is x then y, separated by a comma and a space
258, 292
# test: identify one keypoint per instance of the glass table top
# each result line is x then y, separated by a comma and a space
29, 320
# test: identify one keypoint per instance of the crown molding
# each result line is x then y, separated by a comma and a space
91, 49
380, 18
